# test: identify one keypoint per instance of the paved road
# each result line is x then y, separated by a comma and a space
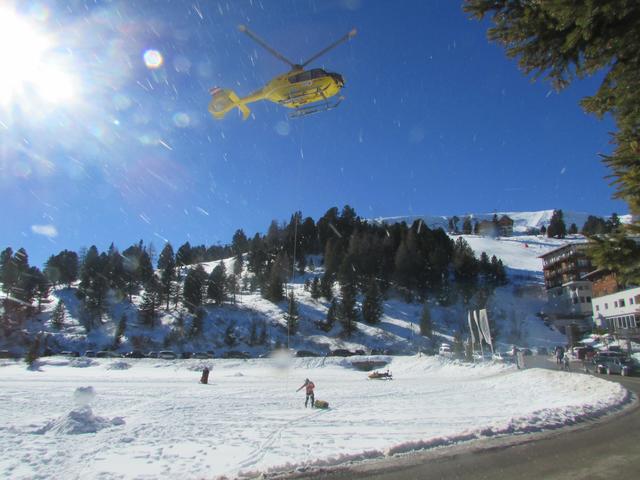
605, 449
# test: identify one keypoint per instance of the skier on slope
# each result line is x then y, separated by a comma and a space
309, 385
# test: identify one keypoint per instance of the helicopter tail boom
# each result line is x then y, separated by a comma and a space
223, 100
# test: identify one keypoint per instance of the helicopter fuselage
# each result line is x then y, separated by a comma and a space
299, 88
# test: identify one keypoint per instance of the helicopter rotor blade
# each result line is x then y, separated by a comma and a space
258, 40
344, 38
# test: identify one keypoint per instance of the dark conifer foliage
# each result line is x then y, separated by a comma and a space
62, 268
426, 325
557, 227
216, 284
372, 304
194, 287
58, 316
291, 316
167, 267
467, 228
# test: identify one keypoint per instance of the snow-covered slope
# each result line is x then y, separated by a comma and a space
151, 419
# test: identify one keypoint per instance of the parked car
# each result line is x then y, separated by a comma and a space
211, 353
5, 354
236, 354
542, 351
201, 355
107, 354
340, 352
359, 352
152, 354
134, 354
527, 352
306, 353
445, 350
616, 365
167, 355
90, 353
69, 353
186, 355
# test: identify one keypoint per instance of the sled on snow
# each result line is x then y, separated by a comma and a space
321, 404
381, 375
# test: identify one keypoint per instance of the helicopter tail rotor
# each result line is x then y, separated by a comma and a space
223, 100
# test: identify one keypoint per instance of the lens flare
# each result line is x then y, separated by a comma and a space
153, 59
181, 120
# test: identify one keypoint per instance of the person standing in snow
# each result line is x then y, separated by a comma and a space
565, 362
205, 375
309, 385
559, 354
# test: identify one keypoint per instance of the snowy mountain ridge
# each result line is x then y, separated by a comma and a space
522, 221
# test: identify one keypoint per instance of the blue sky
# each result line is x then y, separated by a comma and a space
99, 146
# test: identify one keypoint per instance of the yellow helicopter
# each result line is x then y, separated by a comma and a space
306, 91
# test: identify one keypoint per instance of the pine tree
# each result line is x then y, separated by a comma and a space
184, 256
618, 253
194, 285
58, 316
465, 264
34, 352
120, 331
274, 291
594, 226
197, 323
466, 226
332, 315
148, 309
326, 287
543, 230
8, 271
232, 286
167, 267
426, 325
291, 317
372, 304
315, 289
573, 229
230, 338
347, 311
217, 284
557, 227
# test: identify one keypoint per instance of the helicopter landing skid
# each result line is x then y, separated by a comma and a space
317, 108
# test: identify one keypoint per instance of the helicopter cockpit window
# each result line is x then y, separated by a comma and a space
306, 76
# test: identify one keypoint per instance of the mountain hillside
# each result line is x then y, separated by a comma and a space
256, 325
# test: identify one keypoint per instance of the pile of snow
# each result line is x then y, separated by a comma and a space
80, 420
250, 418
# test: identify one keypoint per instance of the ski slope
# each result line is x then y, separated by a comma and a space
150, 418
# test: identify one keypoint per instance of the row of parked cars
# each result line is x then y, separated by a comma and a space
163, 354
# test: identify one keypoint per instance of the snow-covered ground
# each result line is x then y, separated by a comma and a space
150, 418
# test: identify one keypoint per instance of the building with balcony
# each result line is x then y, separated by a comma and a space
569, 296
565, 264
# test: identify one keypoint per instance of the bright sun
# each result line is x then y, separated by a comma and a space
29, 69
